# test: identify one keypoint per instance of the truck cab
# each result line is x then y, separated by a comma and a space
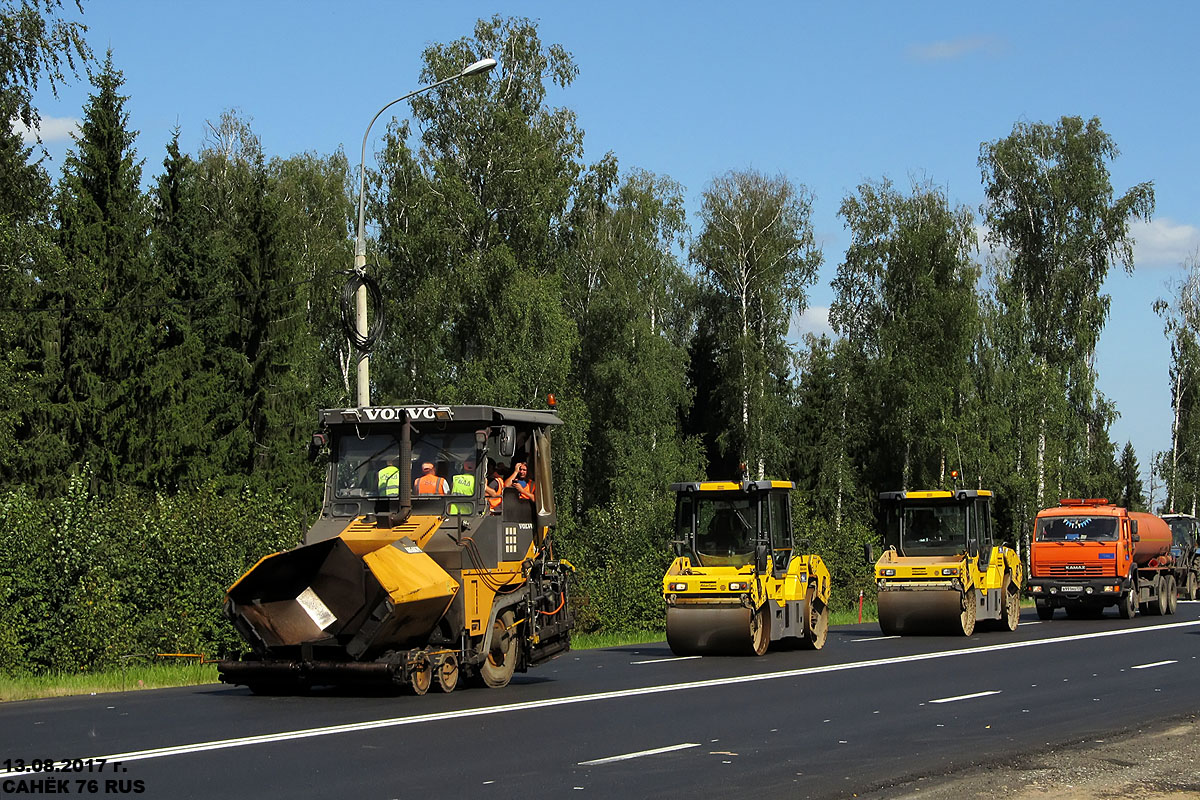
1089, 554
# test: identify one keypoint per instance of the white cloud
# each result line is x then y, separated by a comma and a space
814, 320
1163, 243
955, 48
53, 129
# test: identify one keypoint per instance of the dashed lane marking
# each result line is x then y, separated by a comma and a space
664, 660
875, 639
638, 754
1155, 664
965, 696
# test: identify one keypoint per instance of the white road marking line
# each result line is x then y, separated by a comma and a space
1155, 664
394, 722
639, 754
875, 639
663, 660
1019, 624
965, 696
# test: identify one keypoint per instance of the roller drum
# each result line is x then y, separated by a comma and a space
929, 612
709, 631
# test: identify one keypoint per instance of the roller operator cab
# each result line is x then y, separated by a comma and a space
420, 569
942, 570
737, 583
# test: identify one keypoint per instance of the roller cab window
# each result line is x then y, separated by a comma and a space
437, 457
1183, 532
726, 530
1076, 529
363, 466
934, 529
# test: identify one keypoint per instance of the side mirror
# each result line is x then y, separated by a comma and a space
508, 441
319, 440
869, 552
761, 550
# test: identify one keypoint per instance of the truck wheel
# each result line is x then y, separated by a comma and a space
1012, 606
816, 621
760, 630
1172, 594
497, 669
420, 677
1189, 588
1044, 610
1159, 604
969, 609
446, 673
1127, 606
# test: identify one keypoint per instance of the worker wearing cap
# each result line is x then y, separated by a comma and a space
388, 480
463, 484
430, 482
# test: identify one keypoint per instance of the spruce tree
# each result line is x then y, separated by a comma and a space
111, 323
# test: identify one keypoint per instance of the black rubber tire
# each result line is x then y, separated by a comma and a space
445, 674
1011, 616
760, 630
969, 612
1127, 607
421, 678
1045, 611
1172, 594
816, 621
497, 669
1159, 604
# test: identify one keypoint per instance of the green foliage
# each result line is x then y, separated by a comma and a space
1051, 207
86, 580
757, 257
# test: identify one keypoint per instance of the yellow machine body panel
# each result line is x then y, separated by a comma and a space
737, 585
942, 570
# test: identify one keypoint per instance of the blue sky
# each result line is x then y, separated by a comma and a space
827, 94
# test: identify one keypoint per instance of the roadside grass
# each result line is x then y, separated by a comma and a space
592, 641
132, 678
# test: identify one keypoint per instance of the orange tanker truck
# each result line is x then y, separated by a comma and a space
1088, 555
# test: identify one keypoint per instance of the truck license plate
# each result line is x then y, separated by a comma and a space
1071, 589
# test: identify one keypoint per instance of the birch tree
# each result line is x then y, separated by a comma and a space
1050, 204
757, 256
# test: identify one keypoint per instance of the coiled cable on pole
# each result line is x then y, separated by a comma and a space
362, 344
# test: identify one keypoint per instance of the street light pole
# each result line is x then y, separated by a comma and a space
363, 373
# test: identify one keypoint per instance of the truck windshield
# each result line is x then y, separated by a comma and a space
934, 530
725, 531
1076, 529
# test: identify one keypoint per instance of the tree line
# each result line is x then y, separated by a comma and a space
175, 341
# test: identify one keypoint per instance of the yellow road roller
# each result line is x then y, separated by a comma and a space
737, 584
942, 571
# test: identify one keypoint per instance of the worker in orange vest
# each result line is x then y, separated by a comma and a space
430, 482
493, 490
520, 480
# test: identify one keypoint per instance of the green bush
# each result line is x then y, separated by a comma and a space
87, 582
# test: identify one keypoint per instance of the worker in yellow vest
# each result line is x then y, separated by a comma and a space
464, 484
388, 479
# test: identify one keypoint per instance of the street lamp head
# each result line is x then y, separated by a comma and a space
483, 65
